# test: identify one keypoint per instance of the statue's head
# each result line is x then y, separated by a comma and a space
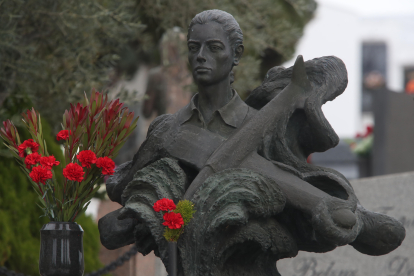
215, 45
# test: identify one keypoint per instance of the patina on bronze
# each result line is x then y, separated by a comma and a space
244, 166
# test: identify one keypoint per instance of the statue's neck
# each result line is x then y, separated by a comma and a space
213, 97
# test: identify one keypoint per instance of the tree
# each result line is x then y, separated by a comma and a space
53, 51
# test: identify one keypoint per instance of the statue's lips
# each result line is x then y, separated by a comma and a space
200, 69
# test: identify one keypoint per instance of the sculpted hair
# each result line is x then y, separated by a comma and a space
226, 20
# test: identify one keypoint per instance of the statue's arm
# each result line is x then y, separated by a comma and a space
240, 150
249, 137
147, 153
337, 217
114, 232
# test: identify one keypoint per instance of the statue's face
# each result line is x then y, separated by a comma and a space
209, 53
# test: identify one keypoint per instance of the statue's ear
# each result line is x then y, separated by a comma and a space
238, 52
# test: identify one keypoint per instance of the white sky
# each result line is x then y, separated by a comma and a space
375, 7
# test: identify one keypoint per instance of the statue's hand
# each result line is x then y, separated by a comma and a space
300, 85
335, 221
116, 233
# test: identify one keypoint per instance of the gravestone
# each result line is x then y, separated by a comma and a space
391, 195
393, 149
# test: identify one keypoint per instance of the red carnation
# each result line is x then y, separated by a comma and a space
32, 145
32, 159
63, 135
40, 174
48, 162
369, 131
173, 220
86, 157
164, 204
74, 172
106, 164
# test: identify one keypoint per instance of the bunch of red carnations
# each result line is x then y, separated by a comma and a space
92, 135
175, 216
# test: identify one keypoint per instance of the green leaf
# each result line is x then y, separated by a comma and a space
79, 131
13, 152
89, 197
18, 138
44, 195
86, 97
40, 127
42, 201
93, 107
39, 139
85, 191
122, 123
98, 141
130, 130
46, 153
116, 150
134, 123
85, 141
121, 135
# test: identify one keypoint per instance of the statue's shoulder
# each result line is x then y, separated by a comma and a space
166, 122
161, 122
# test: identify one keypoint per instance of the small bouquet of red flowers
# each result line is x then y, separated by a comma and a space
92, 135
175, 216
362, 144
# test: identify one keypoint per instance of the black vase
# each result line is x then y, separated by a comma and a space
61, 249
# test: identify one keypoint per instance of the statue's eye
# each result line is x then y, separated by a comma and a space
192, 48
215, 48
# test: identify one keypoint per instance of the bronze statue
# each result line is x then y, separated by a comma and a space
244, 166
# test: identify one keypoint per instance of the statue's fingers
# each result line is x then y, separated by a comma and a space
299, 76
115, 233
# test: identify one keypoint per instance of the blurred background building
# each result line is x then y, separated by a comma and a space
375, 39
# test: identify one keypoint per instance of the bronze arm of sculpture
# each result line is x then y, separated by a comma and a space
240, 150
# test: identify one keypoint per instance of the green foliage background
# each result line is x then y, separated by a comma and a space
271, 29
54, 50
20, 221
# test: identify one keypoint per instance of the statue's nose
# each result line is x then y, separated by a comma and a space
200, 56
344, 218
